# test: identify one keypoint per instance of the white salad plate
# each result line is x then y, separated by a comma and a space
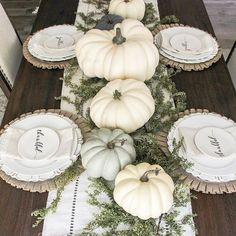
208, 166
186, 44
46, 168
55, 43
50, 58
215, 142
38, 143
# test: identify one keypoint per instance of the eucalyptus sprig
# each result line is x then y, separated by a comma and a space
168, 100
171, 19
150, 19
88, 21
100, 5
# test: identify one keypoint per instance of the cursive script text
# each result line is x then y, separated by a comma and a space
38, 143
214, 142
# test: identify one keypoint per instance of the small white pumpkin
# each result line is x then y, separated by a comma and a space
127, 51
144, 190
134, 9
124, 104
106, 152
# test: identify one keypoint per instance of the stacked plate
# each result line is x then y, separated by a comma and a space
209, 143
56, 43
39, 147
186, 44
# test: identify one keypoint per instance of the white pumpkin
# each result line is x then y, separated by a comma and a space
144, 190
124, 104
106, 152
134, 9
110, 55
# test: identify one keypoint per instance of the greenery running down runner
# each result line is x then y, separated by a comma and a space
168, 103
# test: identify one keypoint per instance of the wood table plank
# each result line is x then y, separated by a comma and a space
211, 89
33, 89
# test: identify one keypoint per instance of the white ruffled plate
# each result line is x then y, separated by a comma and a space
205, 167
40, 170
174, 38
54, 43
189, 60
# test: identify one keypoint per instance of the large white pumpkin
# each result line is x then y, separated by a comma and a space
110, 55
134, 9
106, 152
144, 190
125, 104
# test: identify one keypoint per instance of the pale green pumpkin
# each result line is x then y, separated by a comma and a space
106, 152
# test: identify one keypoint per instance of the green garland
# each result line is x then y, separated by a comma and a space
111, 215
147, 149
151, 20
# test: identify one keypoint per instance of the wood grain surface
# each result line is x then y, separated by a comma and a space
211, 89
35, 89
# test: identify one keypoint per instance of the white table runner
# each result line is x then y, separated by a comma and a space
73, 212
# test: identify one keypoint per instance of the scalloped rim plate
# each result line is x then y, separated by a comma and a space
41, 45
209, 44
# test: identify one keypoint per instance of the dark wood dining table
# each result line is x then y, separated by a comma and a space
36, 88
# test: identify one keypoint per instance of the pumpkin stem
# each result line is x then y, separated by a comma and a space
145, 178
109, 19
118, 39
126, 0
117, 95
113, 143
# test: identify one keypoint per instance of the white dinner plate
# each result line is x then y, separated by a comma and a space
188, 59
38, 143
206, 167
45, 58
40, 170
55, 43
